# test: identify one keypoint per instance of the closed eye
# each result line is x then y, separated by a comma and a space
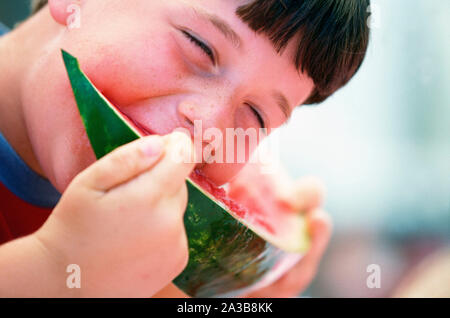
258, 116
203, 46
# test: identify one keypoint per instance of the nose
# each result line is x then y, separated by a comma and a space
208, 114
187, 114
206, 121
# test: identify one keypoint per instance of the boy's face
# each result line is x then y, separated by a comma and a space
165, 64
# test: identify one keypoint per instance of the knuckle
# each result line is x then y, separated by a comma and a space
122, 160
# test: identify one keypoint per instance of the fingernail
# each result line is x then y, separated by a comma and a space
152, 146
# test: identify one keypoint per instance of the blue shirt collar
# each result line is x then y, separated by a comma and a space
3, 29
24, 182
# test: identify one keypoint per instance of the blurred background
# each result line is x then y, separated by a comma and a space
382, 147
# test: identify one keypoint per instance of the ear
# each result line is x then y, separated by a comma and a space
62, 9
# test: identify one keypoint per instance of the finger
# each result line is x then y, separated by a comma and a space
169, 174
320, 229
123, 164
177, 164
176, 205
306, 194
170, 291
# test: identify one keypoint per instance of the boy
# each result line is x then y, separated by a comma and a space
165, 64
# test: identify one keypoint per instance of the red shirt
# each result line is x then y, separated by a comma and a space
17, 217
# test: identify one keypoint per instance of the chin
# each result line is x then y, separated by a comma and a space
66, 167
62, 177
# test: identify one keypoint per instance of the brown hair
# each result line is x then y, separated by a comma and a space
334, 36
333, 41
36, 5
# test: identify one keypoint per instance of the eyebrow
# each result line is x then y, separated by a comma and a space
221, 25
283, 103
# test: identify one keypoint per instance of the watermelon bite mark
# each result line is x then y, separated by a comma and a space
237, 209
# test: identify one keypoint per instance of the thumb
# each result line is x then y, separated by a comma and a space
123, 164
320, 228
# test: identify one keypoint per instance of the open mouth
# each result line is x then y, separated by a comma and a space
143, 130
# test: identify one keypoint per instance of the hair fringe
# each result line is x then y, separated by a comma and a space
332, 36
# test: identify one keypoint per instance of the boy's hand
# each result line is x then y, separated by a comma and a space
121, 220
302, 196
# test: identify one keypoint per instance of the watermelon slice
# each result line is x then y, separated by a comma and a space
231, 249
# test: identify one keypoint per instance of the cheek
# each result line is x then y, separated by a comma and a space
134, 65
53, 123
126, 64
